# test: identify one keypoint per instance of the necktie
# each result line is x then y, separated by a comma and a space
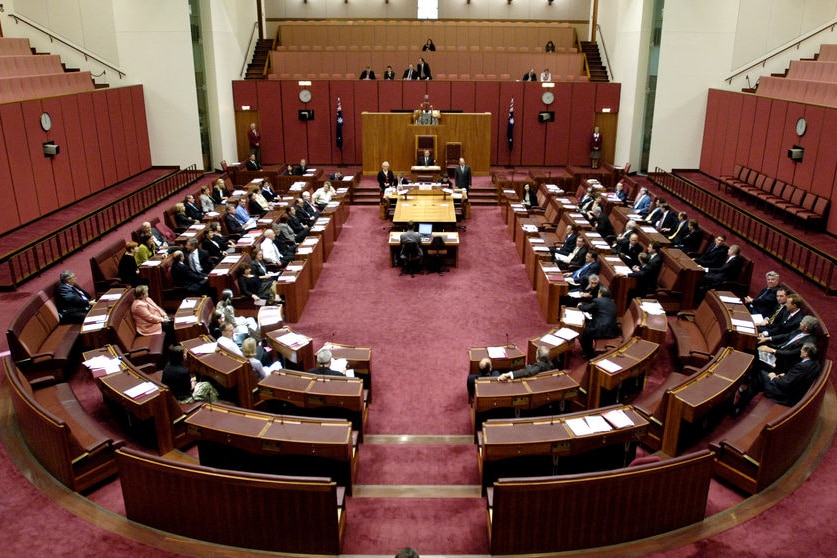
776, 313
579, 271
795, 338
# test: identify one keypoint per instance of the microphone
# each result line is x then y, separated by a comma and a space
507, 340
747, 77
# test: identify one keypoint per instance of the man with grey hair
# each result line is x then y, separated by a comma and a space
324, 364
784, 386
541, 365
765, 301
785, 346
72, 301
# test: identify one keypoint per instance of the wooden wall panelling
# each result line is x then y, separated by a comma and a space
351, 122
440, 94
41, 166
507, 92
789, 171
558, 132
320, 131
79, 178
723, 116
822, 122
462, 95
11, 218
23, 179
141, 125
293, 130
90, 133
745, 127
366, 99
103, 130
582, 120
129, 131
815, 160
710, 128
533, 142
268, 101
759, 134
62, 175
773, 141
487, 100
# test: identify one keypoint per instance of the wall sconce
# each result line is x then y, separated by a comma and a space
509, 1
550, 2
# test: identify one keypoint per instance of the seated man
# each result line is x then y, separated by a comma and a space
573, 259
72, 301
270, 252
215, 244
765, 301
602, 223
253, 164
784, 317
642, 203
582, 294
486, 370
193, 210
629, 251
647, 273
569, 243
579, 277
728, 271
786, 387
425, 160
542, 364
324, 364
779, 352
715, 254
197, 258
691, 241
410, 248
160, 240
603, 323
184, 277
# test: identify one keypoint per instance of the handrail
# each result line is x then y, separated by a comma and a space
53, 37
34, 257
608, 67
251, 47
796, 43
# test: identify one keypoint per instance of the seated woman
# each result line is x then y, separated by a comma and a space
530, 197
128, 269
149, 318
250, 349
257, 288
215, 323
181, 220
219, 191
146, 249
243, 327
206, 201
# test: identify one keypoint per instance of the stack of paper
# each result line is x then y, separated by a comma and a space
140, 390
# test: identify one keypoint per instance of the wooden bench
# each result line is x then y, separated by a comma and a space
104, 267
768, 440
69, 444
553, 514
678, 280
226, 507
39, 344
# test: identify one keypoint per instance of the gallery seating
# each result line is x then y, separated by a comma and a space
64, 439
769, 438
39, 344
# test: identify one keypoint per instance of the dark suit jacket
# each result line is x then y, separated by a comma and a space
253, 165
423, 161
423, 71
530, 76
679, 232
367, 75
183, 276
385, 179
630, 255
715, 256
647, 275
791, 387
603, 325
530, 199
300, 170
783, 323
578, 259
215, 249
325, 371
690, 242
787, 351
727, 272
409, 75
71, 305
667, 221
463, 177
233, 226
532, 369
193, 211
765, 302
389, 74
603, 226
569, 244
584, 275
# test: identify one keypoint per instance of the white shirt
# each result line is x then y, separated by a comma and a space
229, 345
546, 76
270, 252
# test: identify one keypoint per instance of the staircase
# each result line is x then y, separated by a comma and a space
255, 70
598, 71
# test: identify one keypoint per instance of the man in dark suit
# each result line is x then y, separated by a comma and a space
630, 252
252, 164
198, 258
569, 241
715, 255
602, 223
410, 73
368, 73
655, 214
485, 369
323, 364
602, 325
312, 210
193, 210
646, 275
580, 276
690, 242
681, 228
541, 365
234, 228
423, 69
530, 75
785, 347
215, 244
575, 258
389, 74
302, 168
184, 277
425, 160
462, 177
589, 292
765, 301
727, 271
786, 388
667, 221
72, 301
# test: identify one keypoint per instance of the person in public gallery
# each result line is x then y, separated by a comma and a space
429, 46
550, 47
530, 75
389, 74
423, 70
595, 148
368, 73
410, 73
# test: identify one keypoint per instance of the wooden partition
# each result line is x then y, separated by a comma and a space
391, 137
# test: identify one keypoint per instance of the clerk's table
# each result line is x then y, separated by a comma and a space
451, 245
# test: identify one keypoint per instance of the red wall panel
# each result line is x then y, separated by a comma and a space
271, 120
745, 127
106, 139
62, 175
774, 142
462, 95
247, 93
487, 100
709, 129
607, 96
79, 178
389, 95
823, 142
41, 165
90, 133
366, 100
730, 138
129, 131
295, 131
533, 142
718, 145
141, 126
582, 118
320, 131
558, 132
758, 135
440, 95
23, 178
119, 163
10, 217
412, 96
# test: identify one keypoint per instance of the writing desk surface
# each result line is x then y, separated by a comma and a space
313, 384
425, 209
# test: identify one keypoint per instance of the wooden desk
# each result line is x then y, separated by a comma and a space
613, 273
324, 229
222, 275
632, 360
651, 326
451, 243
194, 231
358, 359
506, 445
294, 283
96, 330
295, 348
425, 207
535, 393
550, 285
619, 216
246, 440
311, 250
740, 337
232, 373
556, 344
269, 318
192, 317
512, 359
321, 396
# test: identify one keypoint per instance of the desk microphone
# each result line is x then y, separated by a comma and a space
507, 340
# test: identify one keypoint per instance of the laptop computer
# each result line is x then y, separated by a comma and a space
425, 231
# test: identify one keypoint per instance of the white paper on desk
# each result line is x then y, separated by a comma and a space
745, 329
188, 234
141, 389
304, 251
653, 308
222, 271
185, 319
205, 349
608, 365
102, 362
576, 216
350, 372
618, 418
112, 296
540, 249
212, 213
551, 268
581, 222
333, 204
294, 268
529, 228
197, 227
597, 423
592, 234
87, 328
730, 299
757, 318
310, 241
747, 324
573, 316
151, 263
317, 229
452, 237
95, 319
323, 220
339, 364
293, 339
601, 244
578, 426
188, 303
286, 279
245, 241
565, 201
496, 352
537, 240
270, 316
264, 221
634, 216
567, 333
621, 269
551, 339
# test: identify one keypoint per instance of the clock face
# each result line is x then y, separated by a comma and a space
46, 122
305, 95
548, 97
801, 126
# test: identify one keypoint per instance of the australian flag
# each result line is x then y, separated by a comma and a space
338, 130
510, 129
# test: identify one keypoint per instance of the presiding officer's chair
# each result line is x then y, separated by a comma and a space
410, 257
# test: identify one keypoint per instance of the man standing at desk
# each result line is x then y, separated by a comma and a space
463, 175
425, 160
603, 323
